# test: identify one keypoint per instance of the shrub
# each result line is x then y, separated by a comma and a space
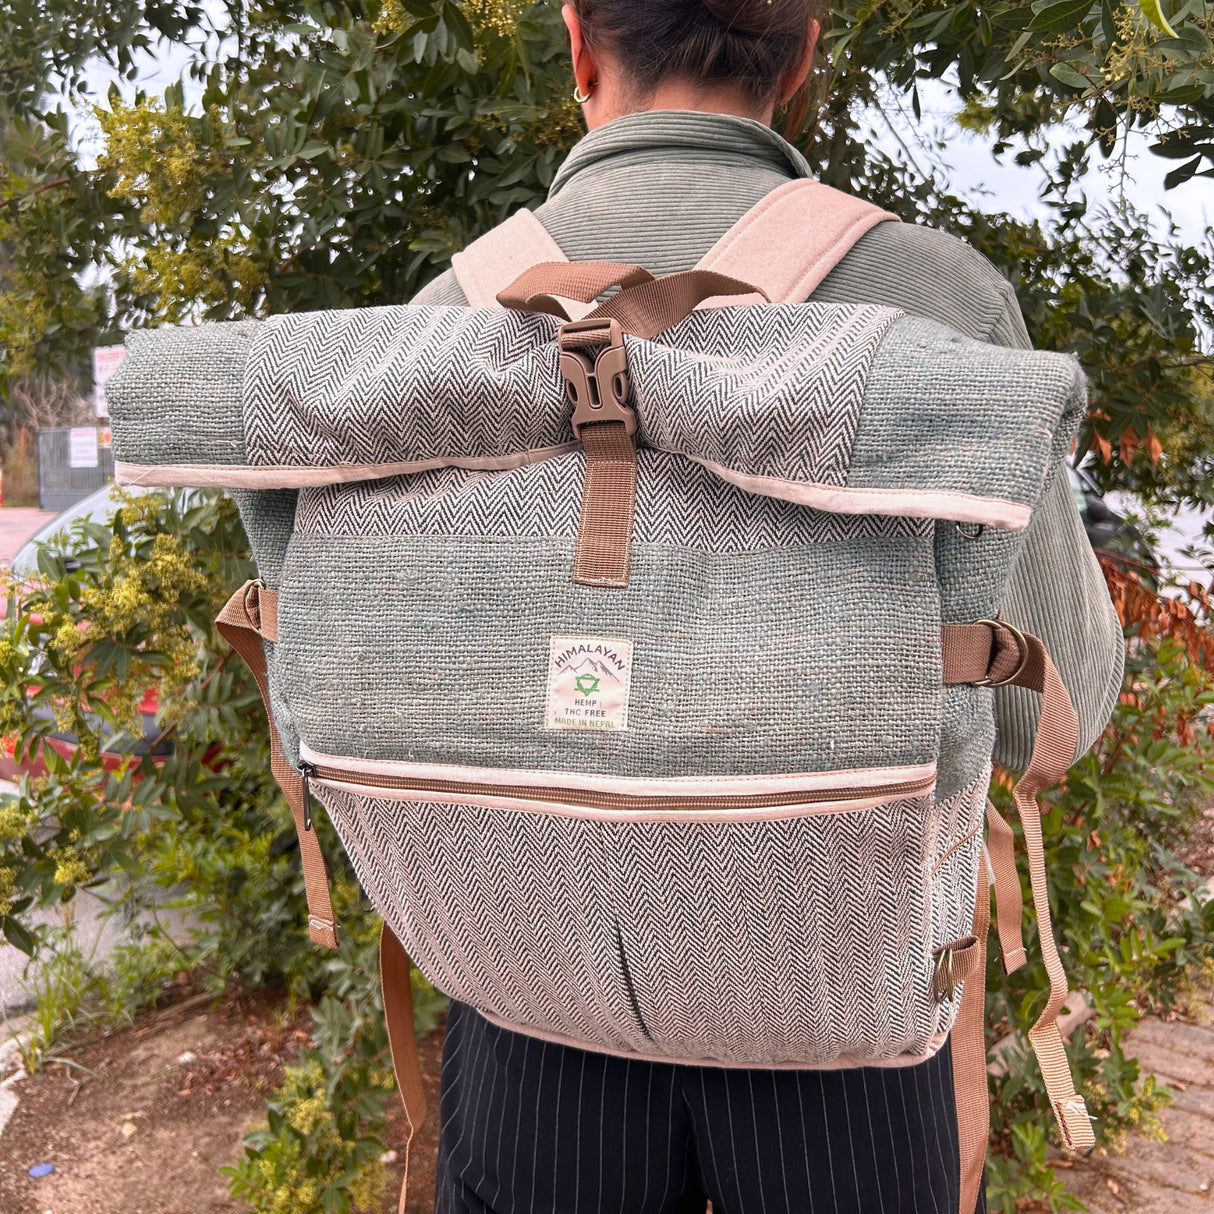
1134, 924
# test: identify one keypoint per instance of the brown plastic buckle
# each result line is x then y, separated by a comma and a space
595, 366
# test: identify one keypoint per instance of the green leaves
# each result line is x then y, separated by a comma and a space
1053, 15
1069, 76
1152, 10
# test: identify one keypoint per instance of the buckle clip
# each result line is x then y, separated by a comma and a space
594, 365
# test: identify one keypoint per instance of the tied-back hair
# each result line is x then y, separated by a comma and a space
748, 44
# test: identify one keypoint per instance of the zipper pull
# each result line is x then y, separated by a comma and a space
307, 771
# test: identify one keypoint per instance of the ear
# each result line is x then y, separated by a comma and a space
585, 69
797, 77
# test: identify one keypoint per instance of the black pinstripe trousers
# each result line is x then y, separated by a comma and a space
534, 1128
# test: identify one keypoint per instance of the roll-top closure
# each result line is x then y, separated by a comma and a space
847, 409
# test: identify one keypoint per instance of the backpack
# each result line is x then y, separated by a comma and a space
641, 651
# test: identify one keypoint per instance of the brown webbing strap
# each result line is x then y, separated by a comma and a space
968, 1041
604, 531
652, 307
542, 287
645, 306
1009, 897
397, 987
251, 616
1053, 752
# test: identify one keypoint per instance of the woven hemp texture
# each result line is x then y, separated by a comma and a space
804, 940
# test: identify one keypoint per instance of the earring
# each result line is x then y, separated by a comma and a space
580, 97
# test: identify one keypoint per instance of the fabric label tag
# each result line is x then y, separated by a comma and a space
588, 683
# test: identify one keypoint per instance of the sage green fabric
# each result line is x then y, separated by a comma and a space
179, 392
660, 188
747, 663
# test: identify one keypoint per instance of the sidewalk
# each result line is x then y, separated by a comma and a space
17, 524
1176, 1176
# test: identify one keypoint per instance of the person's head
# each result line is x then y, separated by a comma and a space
725, 56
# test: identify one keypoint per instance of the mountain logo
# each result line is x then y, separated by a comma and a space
601, 669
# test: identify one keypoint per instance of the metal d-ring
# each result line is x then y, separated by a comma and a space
1024, 655
976, 533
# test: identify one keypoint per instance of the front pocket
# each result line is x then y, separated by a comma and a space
747, 921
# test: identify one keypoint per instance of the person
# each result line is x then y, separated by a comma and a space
678, 98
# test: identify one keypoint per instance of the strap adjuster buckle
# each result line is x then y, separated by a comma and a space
594, 365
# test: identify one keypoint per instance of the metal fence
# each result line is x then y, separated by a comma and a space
64, 475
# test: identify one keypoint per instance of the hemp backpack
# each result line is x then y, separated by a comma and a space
642, 660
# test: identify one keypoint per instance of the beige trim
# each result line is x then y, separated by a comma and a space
289, 476
493, 261
845, 1062
956, 507
788, 243
639, 786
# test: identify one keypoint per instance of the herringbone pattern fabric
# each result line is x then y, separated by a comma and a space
390, 385
679, 503
788, 409
773, 391
802, 941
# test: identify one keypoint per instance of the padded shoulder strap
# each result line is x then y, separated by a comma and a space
493, 261
789, 241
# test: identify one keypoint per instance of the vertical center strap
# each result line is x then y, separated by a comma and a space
249, 618
397, 986
604, 533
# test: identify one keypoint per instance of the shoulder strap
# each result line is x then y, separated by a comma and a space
493, 261
788, 242
249, 618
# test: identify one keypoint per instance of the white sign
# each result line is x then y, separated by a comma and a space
82, 452
106, 360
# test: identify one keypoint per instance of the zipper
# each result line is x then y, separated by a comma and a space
584, 798
307, 772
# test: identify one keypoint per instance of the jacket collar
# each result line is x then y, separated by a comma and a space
662, 135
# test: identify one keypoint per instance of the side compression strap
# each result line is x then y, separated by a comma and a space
397, 986
1009, 897
969, 1061
249, 619
1017, 659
